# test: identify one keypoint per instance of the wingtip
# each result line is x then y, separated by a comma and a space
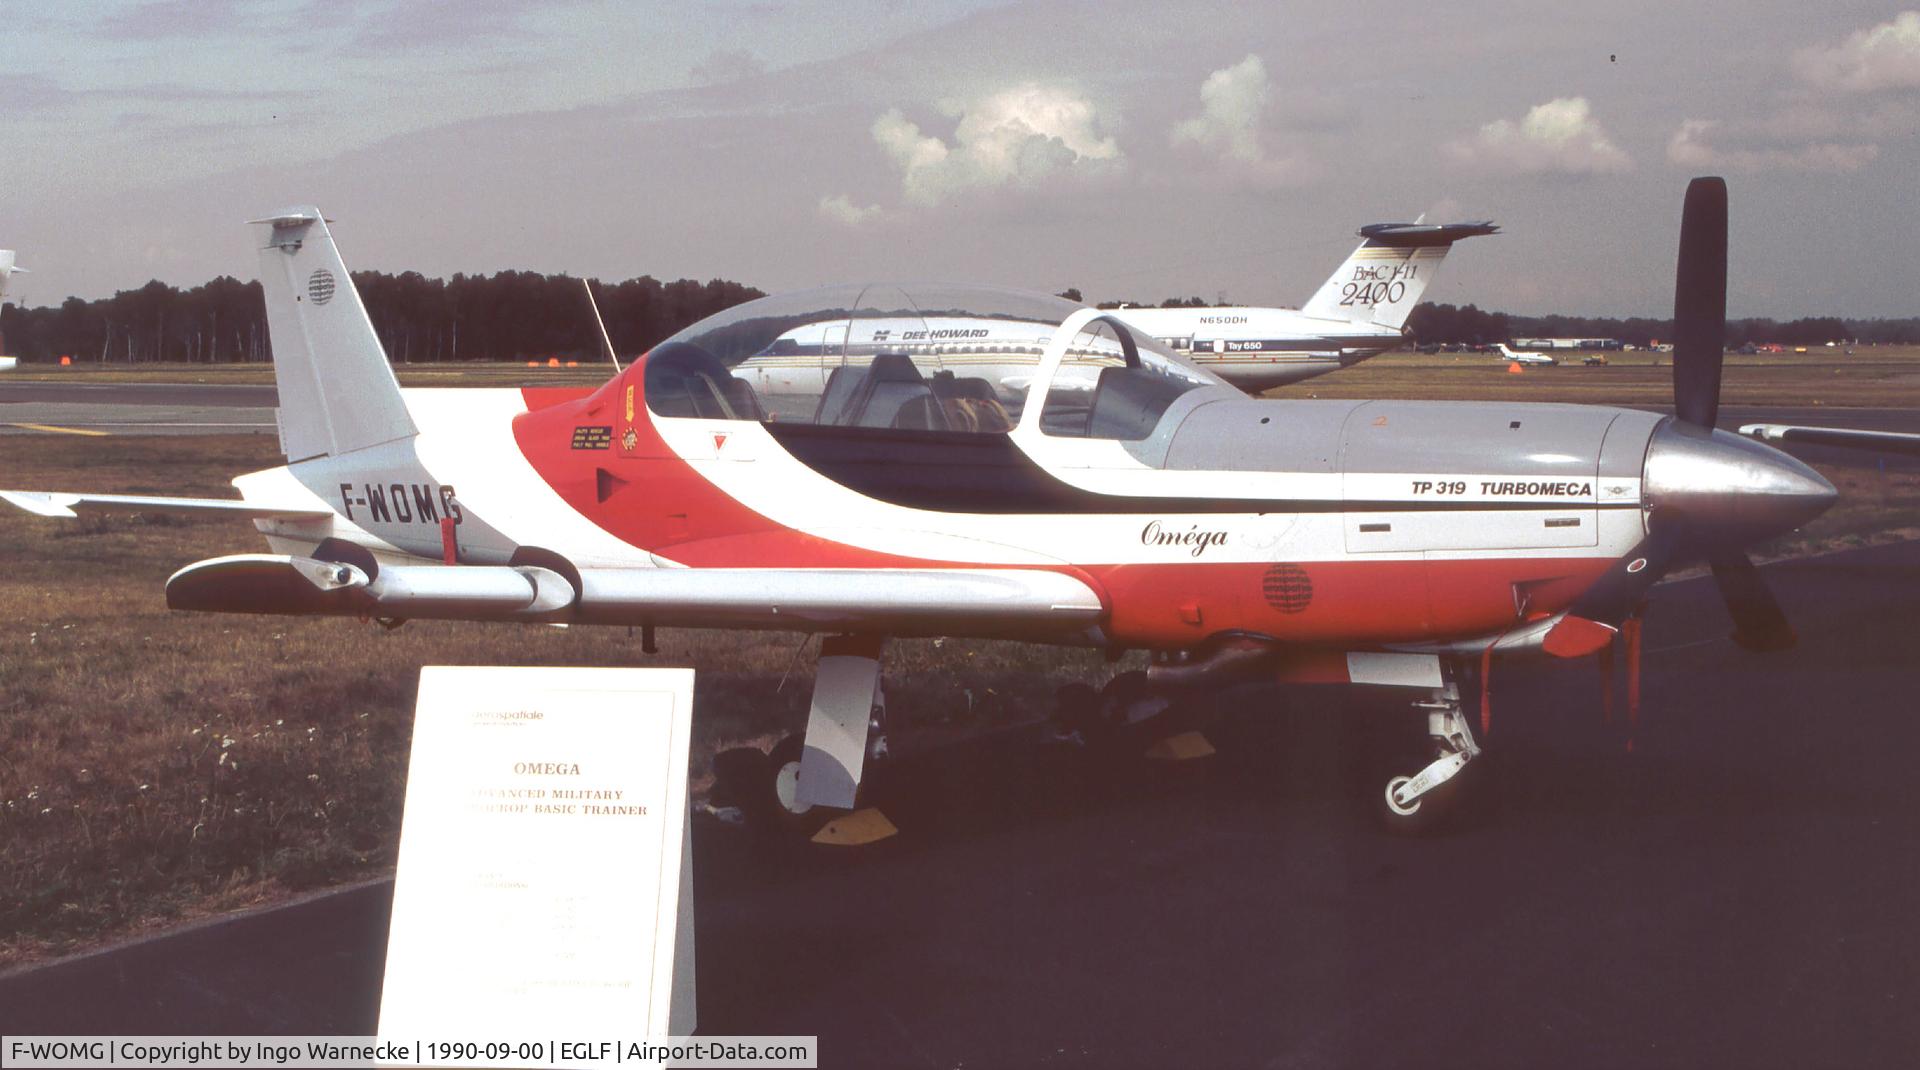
41, 503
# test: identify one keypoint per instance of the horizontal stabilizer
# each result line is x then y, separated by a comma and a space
65, 505
897, 601
1416, 235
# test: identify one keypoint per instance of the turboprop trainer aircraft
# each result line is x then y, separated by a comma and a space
1358, 312
1124, 498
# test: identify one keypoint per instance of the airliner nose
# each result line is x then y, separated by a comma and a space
1729, 490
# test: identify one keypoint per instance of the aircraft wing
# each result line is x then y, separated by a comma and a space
909, 601
62, 504
1849, 438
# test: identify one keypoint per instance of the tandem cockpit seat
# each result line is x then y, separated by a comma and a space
873, 396
684, 380
970, 404
892, 393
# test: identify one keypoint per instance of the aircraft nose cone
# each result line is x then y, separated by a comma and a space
1729, 490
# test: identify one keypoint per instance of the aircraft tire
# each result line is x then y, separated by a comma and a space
1428, 812
777, 812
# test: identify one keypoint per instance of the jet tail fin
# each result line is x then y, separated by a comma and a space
9, 268
1384, 278
337, 391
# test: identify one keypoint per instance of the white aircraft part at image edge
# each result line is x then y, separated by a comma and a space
1358, 312
7, 269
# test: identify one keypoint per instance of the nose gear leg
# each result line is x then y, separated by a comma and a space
1413, 803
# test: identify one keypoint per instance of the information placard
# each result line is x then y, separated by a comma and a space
543, 886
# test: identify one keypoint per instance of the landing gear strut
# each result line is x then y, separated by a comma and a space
783, 805
1414, 804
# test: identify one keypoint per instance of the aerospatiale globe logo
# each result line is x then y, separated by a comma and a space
1287, 588
320, 286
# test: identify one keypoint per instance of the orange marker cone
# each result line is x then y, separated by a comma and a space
1515, 368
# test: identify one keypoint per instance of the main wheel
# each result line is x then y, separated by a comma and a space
781, 808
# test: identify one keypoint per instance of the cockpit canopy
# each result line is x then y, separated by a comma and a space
952, 359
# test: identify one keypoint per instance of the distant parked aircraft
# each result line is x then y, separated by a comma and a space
7, 269
1518, 356
1357, 312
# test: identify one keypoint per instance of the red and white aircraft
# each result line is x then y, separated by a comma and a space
1122, 498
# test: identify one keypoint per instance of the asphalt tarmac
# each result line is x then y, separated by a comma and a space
1736, 892
135, 408
204, 408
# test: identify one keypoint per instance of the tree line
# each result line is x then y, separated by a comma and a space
525, 315
508, 316
1471, 325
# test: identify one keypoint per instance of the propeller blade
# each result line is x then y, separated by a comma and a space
1758, 623
1613, 596
1700, 302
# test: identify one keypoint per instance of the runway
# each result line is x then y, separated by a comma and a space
1739, 891
201, 408
135, 408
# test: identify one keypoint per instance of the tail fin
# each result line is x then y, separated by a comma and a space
1384, 278
8, 268
337, 391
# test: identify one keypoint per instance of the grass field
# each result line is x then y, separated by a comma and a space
1876, 377
157, 766
463, 374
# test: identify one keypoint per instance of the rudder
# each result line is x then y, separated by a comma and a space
1382, 281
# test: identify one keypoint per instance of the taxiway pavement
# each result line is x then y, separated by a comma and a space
209, 408
1738, 891
135, 408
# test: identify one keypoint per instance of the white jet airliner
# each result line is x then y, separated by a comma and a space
1358, 312
1523, 356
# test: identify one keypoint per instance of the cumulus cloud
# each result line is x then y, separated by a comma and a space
1016, 137
1232, 102
1884, 57
1560, 136
840, 209
1693, 146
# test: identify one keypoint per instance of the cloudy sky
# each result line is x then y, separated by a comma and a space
1126, 147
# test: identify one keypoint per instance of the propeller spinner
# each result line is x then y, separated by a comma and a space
1709, 493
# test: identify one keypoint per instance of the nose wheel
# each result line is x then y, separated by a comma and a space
1418, 802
